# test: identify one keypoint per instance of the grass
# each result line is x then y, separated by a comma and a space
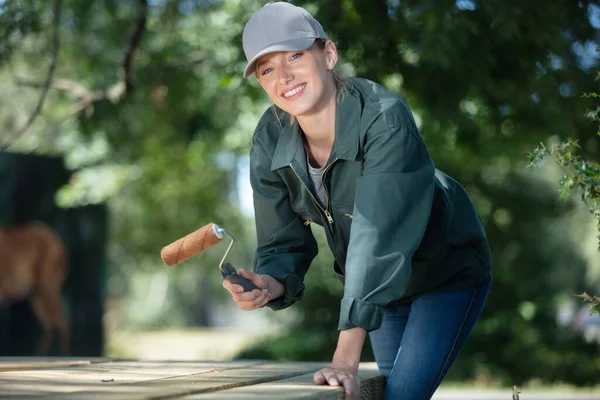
533, 386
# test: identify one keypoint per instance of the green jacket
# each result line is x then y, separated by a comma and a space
397, 227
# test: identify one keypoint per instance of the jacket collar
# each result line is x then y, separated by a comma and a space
347, 134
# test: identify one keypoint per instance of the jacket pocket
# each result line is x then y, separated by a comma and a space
345, 219
305, 216
342, 215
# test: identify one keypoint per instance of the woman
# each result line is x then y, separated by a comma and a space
346, 154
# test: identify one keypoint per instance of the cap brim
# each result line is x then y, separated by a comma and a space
288, 45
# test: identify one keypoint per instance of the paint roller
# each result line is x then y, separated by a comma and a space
200, 240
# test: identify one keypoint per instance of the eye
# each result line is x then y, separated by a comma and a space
296, 56
266, 71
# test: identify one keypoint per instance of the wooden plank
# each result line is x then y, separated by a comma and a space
29, 363
141, 380
102, 376
121, 372
300, 387
16, 393
173, 387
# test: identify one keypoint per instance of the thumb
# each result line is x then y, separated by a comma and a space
252, 277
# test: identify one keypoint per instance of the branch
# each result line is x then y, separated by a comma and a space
115, 93
76, 89
134, 42
54, 56
120, 90
384, 20
87, 101
84, 96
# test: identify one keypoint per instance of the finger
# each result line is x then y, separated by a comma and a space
319, 378
232, 287
267, 297
332, 378
248, 297
254, 301
350, 396
262, 299
349, 385
244, 300
340, 378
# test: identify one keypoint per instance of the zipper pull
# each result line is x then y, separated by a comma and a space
329, 219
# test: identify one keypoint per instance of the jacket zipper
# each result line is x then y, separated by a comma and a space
327, 214
323, 210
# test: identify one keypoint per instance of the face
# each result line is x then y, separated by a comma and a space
299, 82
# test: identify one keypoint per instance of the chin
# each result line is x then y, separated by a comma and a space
298, 109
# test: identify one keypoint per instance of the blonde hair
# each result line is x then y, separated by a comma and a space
342, 84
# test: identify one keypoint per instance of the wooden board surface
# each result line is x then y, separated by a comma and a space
299, 387
114, 379
29, 363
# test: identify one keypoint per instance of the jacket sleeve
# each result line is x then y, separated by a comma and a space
285, 246
391, 211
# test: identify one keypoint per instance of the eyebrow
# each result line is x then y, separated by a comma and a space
258, 64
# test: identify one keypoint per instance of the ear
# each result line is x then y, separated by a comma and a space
331, 55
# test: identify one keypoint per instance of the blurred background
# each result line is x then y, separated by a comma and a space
126, 124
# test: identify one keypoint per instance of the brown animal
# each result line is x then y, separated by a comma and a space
33, 264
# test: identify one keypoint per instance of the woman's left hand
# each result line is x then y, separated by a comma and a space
342, 375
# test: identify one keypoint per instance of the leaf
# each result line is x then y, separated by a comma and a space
584, 296
585, 193
537, 155
565, 145
595, 307
566, 184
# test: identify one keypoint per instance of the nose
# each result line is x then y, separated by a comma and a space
285, 74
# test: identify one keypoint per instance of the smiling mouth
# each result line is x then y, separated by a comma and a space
294, 91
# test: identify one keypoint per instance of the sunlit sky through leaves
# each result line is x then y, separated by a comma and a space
465, 4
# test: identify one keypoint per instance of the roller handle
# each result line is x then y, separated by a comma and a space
229, 272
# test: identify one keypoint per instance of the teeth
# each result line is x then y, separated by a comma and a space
294, 91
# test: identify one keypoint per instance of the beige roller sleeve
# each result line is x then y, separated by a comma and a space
189, 245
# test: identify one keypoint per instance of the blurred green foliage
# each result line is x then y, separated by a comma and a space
161, 142
581, 174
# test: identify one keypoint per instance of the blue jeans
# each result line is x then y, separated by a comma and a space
418, 342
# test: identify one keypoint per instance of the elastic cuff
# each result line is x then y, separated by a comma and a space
356, 312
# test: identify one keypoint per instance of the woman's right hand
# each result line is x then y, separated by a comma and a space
257, 298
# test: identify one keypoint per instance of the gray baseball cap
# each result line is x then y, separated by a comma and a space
279, 27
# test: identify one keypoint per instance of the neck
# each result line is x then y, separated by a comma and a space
319, 126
